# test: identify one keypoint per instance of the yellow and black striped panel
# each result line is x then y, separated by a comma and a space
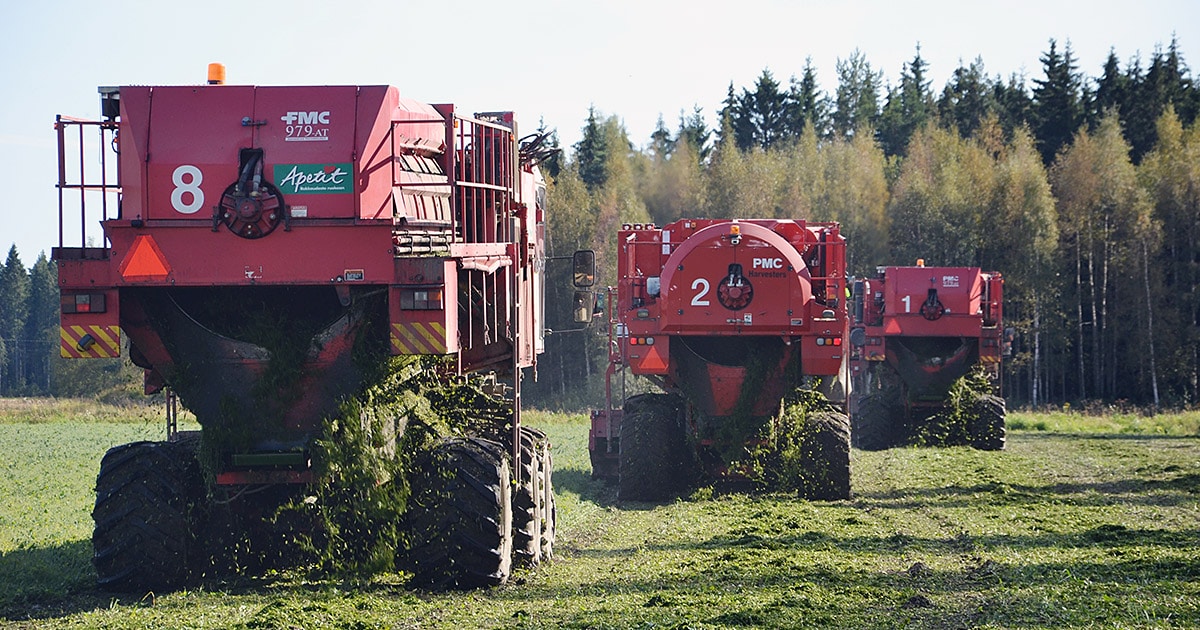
418, 338
989, 359
89, 342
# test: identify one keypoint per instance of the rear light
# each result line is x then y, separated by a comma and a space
641, 341
422, 299
84, 303
829, 341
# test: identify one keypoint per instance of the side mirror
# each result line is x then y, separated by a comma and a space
581, 312
584, 263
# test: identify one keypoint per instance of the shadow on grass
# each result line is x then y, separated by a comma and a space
1176, 490
580, 482
48, 582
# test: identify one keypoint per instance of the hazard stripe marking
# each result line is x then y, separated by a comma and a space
419, 338
107, 342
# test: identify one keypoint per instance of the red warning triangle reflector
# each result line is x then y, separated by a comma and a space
144, 261
653, 360
892, 327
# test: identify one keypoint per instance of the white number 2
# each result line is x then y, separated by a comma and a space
190, 187
702, 284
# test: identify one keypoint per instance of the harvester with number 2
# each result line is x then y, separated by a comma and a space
741, 324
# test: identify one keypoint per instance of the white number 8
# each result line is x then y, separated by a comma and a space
191, 187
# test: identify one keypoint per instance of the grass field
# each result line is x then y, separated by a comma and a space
1081, 522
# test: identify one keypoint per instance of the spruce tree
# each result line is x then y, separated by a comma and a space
696, 131
967, 98
857, 99
1057, 110
806, 105
41, 325
908, 107
14, 310
591, 153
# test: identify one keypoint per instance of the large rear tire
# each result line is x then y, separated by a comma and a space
987, 431
146, 495
655, 458
549, 510
876, 424
460, 516
528, 501
825, 457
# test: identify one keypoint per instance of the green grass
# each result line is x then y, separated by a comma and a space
1123, 423
1082, 522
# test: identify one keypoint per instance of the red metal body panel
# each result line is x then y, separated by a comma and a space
691, 260
301, 256
911, 318
700, 304
304, 198
959, 290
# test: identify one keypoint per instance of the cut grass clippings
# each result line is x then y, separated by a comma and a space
1078, 524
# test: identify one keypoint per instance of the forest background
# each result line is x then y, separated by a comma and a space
1083, 190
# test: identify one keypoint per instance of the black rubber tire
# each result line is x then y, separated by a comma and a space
825, 457
146, 495
876, 424
460, 516
987, 430
656, 462
527, 502
549, 510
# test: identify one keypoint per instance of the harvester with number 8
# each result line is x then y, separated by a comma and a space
267, 253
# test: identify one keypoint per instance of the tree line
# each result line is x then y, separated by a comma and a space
1083, 191
29, 332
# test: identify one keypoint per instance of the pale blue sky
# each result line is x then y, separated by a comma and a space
545, 59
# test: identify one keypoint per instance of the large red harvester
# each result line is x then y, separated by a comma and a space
264, 250
731, 318
916, 332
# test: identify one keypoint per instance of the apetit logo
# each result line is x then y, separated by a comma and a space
314, 179
305, 118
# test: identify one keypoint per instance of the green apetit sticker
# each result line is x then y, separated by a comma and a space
314, 179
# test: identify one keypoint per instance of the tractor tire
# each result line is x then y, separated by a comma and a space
825, 457
875, 426
987, 431
527, 501
145, 535
549, 510
655, 460
460, 516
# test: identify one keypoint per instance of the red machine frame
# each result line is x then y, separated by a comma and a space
796, 272
356, 188
961, 305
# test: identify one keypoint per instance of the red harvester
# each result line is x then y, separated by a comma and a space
259, 246
730, 318
916, 331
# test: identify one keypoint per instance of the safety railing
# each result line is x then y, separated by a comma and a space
89, 176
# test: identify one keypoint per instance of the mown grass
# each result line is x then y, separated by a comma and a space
1081, 522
